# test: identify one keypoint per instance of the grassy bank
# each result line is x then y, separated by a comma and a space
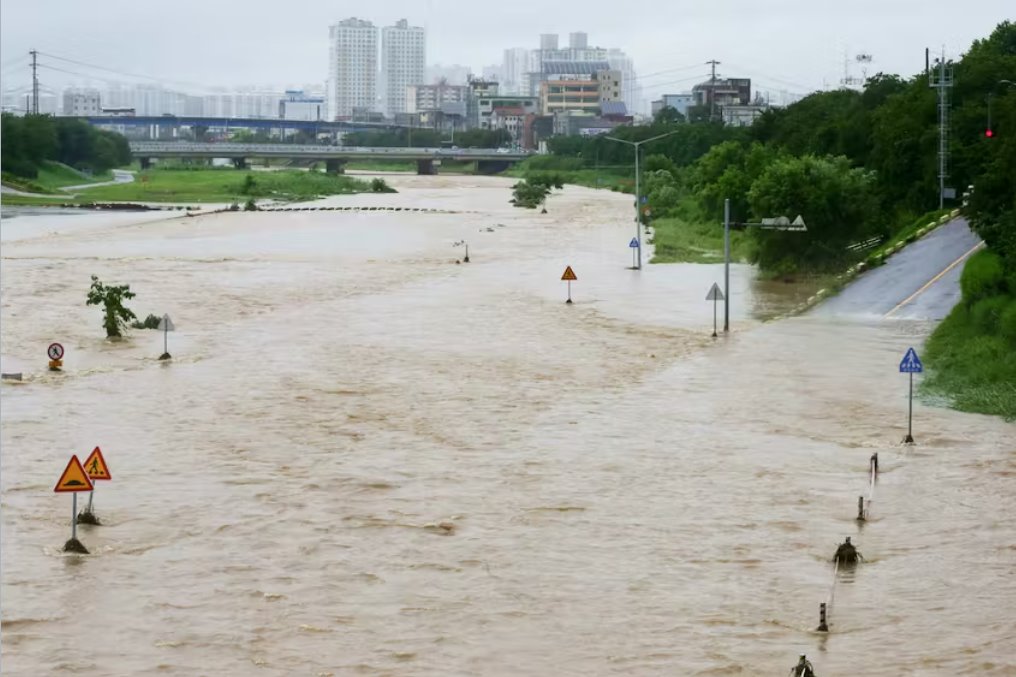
576, 172
971, 356
686, 236
9, 200
53, 176
224, 185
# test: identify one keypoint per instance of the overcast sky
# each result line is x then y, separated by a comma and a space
797, 45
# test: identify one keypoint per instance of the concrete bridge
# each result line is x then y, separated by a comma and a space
488, 160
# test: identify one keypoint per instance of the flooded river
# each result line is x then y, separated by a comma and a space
366, 458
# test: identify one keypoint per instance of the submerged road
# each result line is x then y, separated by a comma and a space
920, 282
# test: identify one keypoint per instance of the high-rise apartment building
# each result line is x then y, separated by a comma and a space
352, 67
517, 64
403, 63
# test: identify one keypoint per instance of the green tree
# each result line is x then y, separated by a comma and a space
838, 204
117, 316
668, 115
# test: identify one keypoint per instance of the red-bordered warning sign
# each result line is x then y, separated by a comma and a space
569, 274
73, 477
95, 466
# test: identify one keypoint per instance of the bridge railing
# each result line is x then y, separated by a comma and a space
286, 149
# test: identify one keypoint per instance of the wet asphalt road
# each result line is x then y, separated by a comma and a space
920, 282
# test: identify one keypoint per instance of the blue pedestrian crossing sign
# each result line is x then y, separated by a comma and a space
634, 244
911, 363
645, 199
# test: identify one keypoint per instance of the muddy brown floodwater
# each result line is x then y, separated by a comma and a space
365, 458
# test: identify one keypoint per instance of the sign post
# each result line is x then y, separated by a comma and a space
166, 326
634, 245
96, 469
714, 295
911, 365
775, 223
569, 275
74, 479
55, 351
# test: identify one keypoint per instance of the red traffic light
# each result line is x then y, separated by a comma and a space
988, 133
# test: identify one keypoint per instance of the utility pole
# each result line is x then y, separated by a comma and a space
942, 82
35, 83
712, 89
637, 145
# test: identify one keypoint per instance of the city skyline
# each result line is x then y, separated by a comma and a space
669, 50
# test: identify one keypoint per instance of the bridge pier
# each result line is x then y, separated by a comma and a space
146, 162
425, 167
335, 166
240, 162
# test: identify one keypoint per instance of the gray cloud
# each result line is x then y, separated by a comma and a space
782, 44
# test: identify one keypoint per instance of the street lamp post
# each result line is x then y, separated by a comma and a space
638, 196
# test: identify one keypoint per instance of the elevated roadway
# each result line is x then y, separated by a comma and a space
489, 160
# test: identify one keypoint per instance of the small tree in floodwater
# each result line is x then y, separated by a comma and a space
111, 298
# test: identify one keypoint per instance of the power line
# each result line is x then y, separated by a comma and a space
124, 73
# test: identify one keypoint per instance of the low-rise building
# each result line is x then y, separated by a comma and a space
723, 92
296, 105
741, 116
433, 97
569, 95
81, 102
679, 102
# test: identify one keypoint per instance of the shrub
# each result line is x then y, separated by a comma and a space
150, 322
986, 313
251, 205
379, 186
111, 298
1007, 322
982, 276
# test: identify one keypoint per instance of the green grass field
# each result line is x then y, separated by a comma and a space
223, 185
971, 366
52, 176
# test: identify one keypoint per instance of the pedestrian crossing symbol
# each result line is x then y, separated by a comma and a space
73, 478
634, 244
911, 363
95, 466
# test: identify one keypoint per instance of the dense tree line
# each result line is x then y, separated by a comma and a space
852, 163
30, 140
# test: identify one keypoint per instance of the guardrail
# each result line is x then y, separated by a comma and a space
865, 245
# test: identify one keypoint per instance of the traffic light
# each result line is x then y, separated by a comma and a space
988, 133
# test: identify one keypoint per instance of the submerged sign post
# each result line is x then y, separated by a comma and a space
165, 326
73, 480
96, 469
714, 295
634, 245
55, 352
911, 364
569, 275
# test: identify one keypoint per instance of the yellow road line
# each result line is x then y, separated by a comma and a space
933, 280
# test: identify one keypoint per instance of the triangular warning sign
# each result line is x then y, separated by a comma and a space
74, 477
714, 293
569, 274
95, 466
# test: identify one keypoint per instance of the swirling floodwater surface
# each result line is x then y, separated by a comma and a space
367, 458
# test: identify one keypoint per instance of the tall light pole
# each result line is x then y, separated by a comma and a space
638, 195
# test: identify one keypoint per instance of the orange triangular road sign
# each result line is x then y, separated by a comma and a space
74, 477
569, 274
95, 466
